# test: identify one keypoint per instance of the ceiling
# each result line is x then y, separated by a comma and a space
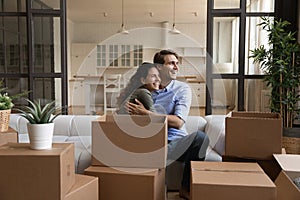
136, 11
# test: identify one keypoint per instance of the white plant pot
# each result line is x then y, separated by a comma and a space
40, 135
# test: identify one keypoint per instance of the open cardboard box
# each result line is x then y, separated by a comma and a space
253, 135
130, 141
129, 183
270, 167
230, 180
84, 188
290, 165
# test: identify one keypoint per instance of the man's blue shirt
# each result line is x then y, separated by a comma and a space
175, 99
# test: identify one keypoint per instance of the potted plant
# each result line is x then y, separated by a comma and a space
6, 104
40, 124
281, 63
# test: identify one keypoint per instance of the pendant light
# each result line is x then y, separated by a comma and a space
122, 29
174, 30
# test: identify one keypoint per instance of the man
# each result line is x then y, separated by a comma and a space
174, 100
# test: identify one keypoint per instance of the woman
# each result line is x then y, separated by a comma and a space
141, 84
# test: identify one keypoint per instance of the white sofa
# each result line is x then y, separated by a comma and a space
77, 129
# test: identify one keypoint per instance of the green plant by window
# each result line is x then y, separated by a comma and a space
281, 63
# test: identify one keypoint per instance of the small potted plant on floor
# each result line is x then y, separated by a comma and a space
40, 124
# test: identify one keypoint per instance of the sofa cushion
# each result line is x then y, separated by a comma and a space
81, 141
62, 125
212, 155
215, 129
18, 123
82, 125
195, 123
24, 138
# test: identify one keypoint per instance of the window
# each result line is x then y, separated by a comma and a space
119, 55
113, 55
138, 54
125, 55
101, 55
33, 62
233, 81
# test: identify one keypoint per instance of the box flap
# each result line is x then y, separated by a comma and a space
226, 166
141, 120
288, 162
248, 114
230, 173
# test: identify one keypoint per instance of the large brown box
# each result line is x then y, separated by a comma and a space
8, 136
290, 165
129, 183
270, 167
85, 188
230, 180
130, 141
253, 135
36, 174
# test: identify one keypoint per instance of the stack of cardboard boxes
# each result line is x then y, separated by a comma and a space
253, 166
48, 174
129, 156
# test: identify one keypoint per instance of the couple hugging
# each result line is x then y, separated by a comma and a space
154, 89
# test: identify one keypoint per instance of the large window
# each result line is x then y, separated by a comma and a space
233, 81
33, 49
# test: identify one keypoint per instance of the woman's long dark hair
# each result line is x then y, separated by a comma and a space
135, 82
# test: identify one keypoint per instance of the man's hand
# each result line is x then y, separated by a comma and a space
136, 108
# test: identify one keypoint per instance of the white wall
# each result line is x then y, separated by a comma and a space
83, 38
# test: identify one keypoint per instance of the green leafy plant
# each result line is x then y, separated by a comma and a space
6, 101
281, 63
35, 113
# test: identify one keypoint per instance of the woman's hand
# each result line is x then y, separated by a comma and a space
136, 108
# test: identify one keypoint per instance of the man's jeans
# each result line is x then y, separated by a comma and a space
189, 148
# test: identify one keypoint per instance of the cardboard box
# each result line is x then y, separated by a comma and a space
253, 135
230, 180
270, 167
36, 174
8, 136
129, 183
85, 188
130, 141
290, 165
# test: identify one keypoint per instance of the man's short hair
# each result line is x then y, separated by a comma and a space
159, 57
